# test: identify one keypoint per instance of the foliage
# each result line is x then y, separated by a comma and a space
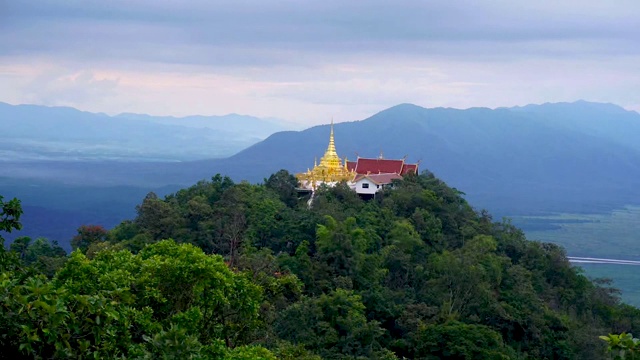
88, 235
623, 346
333, 325
168, 301
254, 272
455, 340
10, 213
43, 255
284, 184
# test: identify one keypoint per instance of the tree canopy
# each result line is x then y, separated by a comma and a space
241, 271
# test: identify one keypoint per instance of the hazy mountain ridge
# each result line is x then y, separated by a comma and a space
62, 133
246, 125
600, 119
492, 155
512, 161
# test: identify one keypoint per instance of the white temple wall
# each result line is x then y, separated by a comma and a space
366, 186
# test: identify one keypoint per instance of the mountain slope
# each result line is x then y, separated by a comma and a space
533, 159
529, 160
539, 158
605, 120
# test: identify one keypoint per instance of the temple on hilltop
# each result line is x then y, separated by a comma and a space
373, 175
366, 176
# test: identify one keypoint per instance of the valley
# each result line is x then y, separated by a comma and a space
522, 163
330, 180
613, 235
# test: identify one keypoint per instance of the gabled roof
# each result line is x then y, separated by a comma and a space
351, 165
407, 168
378, 179
379, 166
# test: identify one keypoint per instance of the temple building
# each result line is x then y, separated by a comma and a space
366, 176
330, 171
373, 175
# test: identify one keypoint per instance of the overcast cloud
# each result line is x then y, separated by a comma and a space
307, 61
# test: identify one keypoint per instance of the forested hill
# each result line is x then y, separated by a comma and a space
564, 157
252, 272
567, 156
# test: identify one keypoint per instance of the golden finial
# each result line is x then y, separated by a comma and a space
331, 139
330, 158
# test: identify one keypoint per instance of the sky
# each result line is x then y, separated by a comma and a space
309, 61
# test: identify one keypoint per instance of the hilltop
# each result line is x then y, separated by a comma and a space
578, 157
251, 272
562, 157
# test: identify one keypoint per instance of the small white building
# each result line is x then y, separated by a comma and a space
369, 184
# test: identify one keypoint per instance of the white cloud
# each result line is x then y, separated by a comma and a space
308, 63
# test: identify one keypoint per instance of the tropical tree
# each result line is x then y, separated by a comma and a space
622, 346
87, 236
10, 213
168, 301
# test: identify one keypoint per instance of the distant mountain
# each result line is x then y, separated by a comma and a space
602, 120
567, 157
33, 132
244, 125
578, 156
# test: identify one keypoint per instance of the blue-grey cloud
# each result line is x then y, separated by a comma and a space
281, 32
310, 60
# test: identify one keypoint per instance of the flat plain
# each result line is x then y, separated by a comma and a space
613, 235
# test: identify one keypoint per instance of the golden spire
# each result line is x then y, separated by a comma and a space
332, 142
330, 159
330, 169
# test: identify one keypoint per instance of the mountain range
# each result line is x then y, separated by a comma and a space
33, 132
578, 157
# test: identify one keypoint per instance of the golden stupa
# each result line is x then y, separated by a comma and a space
330, 170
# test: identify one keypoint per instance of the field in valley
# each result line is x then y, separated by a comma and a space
615, 235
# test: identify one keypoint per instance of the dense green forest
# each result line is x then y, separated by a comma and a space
226, 270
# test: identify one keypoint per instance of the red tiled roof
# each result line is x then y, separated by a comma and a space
407, 168
379, 166
351, 165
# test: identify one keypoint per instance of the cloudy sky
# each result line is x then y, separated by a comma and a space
307, 61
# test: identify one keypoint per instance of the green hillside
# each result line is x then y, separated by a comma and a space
543, 158
253, 272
